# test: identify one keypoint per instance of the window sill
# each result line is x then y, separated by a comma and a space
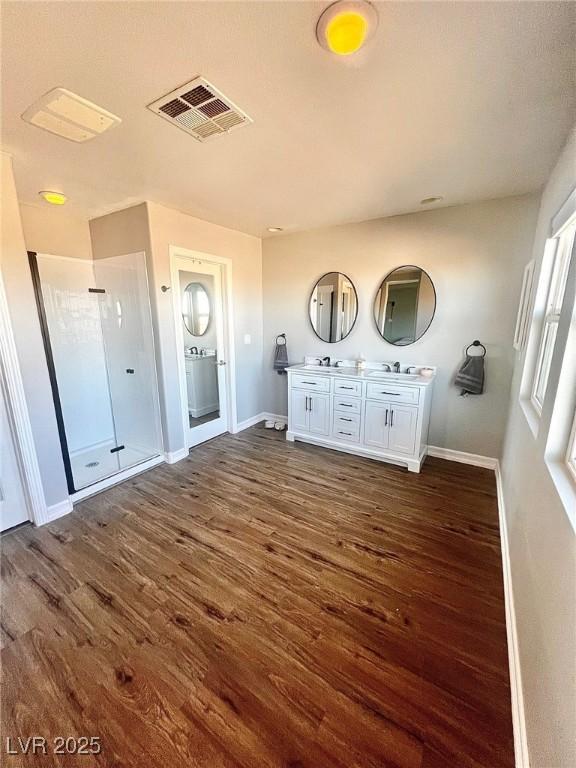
565, 485
531, 414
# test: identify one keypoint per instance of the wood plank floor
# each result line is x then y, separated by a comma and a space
263, 603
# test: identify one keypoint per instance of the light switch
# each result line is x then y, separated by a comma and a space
247, 338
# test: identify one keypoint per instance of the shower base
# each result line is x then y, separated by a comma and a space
97, 463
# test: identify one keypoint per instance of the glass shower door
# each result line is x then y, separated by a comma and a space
128, 342
97, 332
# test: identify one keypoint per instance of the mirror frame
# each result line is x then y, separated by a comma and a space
332, 271
391, 272
198, 336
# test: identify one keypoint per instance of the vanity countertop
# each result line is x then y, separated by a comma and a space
368, 374
189, 356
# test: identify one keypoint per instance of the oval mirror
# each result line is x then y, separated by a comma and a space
404, 305
333, 307
196, 309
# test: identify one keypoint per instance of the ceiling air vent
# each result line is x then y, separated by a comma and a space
200, 109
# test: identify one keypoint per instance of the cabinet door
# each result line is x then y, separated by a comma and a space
299, 410
402, 423
319, 414
376, 421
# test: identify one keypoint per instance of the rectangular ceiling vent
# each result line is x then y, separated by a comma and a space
200, 109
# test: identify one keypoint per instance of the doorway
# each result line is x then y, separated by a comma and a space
401, 311
13, 504
201, 314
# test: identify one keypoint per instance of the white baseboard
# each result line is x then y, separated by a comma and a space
57, 510
274, 417
264, 416
247, 423
171, 457
517, 695
464, 458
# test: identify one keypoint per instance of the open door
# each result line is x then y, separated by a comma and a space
13, 506
200, 317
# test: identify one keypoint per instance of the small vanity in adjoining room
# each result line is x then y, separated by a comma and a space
371, 412
201, 384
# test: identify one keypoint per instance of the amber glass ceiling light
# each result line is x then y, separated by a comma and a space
345, 26
54, 198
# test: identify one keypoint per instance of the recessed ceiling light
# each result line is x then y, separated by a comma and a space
68, 115
346, 25
54, 198
428, 200
275, 229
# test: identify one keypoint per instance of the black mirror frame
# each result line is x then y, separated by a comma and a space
332, 271
402, 266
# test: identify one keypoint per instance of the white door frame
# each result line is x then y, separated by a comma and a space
401, 282
199, 257
11, 381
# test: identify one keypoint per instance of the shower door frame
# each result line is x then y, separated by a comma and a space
45, 329
121, 474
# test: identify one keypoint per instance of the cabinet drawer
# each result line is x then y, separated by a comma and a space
346, 420
349, 388
394, 393
346, 427
313, 383
347, 404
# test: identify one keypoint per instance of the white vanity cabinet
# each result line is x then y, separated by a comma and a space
310, 404
202, 384
363, 413
311, 412
391, 426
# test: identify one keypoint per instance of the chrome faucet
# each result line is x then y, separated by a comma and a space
387, 367
396, 367
193, 350
319, 359
338, 363
326, 361
411, 368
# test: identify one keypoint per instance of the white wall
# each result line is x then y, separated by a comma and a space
541, 540
28, 338
474, 254
52, 229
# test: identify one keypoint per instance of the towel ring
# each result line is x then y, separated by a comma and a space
281, 336
476, 343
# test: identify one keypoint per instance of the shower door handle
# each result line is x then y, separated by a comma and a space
129, 370
221, 362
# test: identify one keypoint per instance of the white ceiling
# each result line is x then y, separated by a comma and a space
465, 100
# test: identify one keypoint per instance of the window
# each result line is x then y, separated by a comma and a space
561, 262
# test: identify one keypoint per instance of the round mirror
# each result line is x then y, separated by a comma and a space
404, 305
333, 307
196, 309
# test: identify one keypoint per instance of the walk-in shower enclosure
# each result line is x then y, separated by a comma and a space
97, 329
